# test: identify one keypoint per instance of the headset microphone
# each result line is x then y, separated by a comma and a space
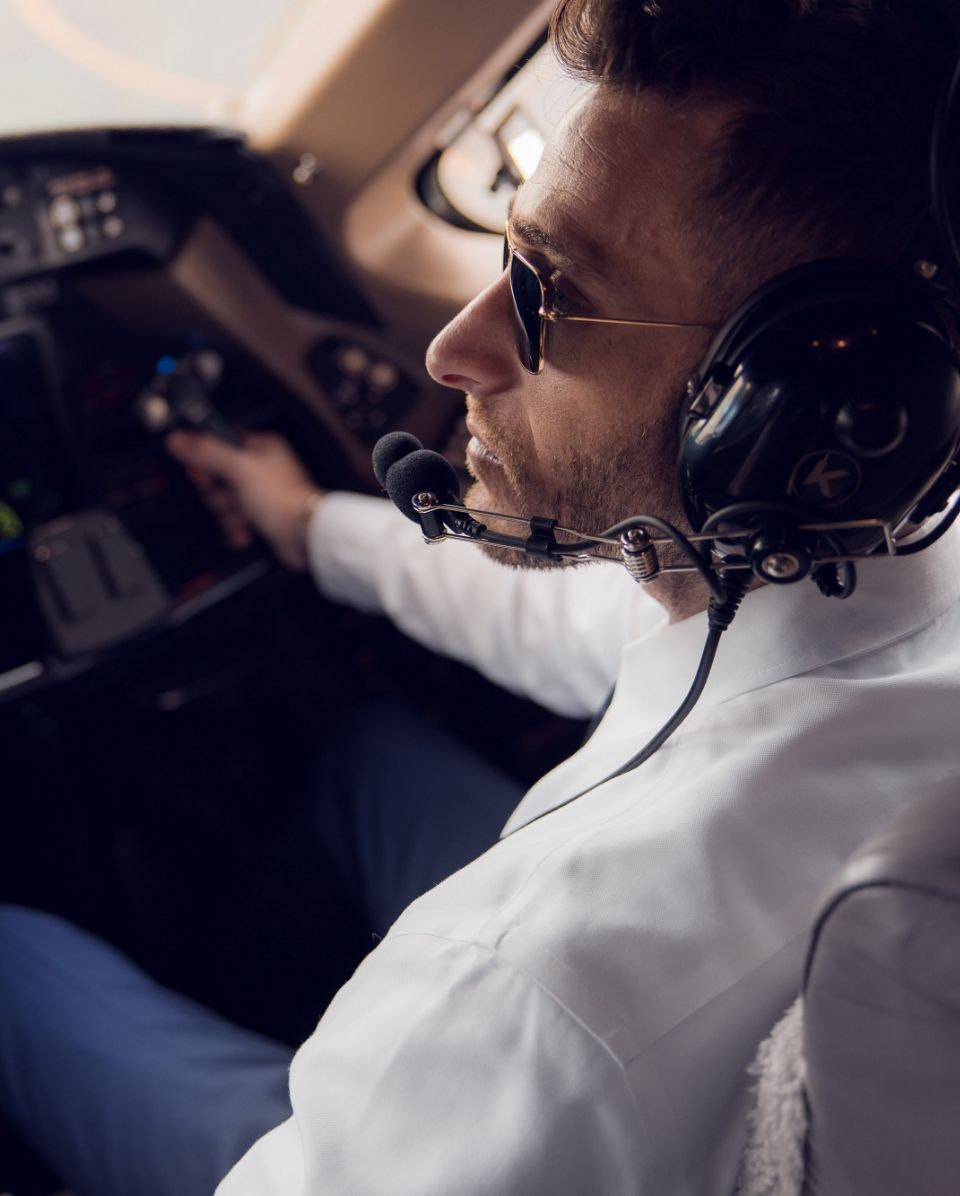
425, 487
406, 470
778, 540
389, 450
421, 471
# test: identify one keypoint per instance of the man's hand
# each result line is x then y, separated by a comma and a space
262, 485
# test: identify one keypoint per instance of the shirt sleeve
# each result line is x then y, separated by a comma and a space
443, 1068
554, 635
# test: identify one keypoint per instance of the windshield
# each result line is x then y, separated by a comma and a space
82, 63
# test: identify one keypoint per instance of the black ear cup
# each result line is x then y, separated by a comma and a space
835, 387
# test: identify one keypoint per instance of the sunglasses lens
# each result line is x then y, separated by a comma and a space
527, 299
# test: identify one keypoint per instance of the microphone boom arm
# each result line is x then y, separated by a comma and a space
453, 521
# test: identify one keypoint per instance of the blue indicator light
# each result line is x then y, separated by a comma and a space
166, 365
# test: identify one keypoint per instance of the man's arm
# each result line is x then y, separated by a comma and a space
554, 635
441, 1068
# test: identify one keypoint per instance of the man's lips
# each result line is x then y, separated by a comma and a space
478, 448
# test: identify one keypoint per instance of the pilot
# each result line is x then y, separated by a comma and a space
573, 1010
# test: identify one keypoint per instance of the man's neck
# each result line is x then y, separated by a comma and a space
683, 595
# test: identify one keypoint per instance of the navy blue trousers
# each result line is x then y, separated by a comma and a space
127, 1088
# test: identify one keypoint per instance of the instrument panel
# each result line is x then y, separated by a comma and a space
57, 214
97, 323
72, 439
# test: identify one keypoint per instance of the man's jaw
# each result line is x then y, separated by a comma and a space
478, 498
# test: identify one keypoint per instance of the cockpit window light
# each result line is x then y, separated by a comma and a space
520, 143
471, 178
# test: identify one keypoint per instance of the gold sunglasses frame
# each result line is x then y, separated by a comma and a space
547, 314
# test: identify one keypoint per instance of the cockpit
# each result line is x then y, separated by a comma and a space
339, 858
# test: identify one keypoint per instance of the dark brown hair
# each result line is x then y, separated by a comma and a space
828, 150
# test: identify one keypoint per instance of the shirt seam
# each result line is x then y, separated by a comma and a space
500, 960
621, 1064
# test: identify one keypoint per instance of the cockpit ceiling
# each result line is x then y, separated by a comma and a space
347, 80
84, 63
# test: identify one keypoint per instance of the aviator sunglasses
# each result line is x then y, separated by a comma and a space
535, 304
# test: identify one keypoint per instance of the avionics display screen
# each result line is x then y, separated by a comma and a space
35, 482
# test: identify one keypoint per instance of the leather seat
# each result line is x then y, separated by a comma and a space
882, 1015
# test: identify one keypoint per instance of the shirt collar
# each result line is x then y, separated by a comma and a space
779, 632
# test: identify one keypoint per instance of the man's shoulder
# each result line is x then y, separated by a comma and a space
709, 860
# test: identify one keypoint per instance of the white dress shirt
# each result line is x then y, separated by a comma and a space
572, 1013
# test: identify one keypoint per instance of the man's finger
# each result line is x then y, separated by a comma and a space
199, 451
221, 502
261, 442
237, 533
202, 480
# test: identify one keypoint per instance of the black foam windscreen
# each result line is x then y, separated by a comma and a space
418, 471
389, 449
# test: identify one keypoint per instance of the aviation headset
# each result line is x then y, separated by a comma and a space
833, 395
833, 390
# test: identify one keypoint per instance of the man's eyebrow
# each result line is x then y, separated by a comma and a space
572, 248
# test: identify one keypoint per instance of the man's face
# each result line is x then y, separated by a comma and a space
593, 438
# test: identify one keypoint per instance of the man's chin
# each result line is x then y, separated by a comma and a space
514, 559
478, 498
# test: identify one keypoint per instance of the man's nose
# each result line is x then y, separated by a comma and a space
476, 351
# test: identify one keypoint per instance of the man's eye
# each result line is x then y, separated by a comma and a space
564, 297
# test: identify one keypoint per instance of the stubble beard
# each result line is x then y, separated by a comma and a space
591, 494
